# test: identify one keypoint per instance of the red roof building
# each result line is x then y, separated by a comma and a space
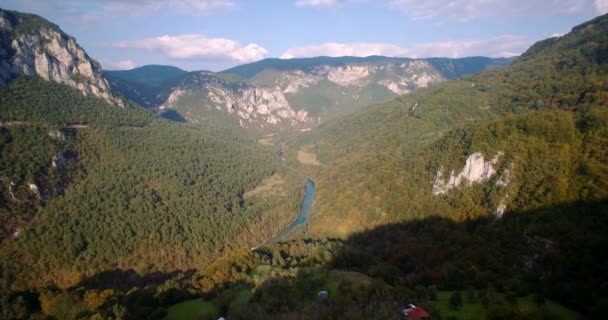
413, 312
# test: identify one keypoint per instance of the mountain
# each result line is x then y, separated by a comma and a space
458, 67
86, 187
276, 94
141, 85
483, 197
518, 138
33, 46
150, 75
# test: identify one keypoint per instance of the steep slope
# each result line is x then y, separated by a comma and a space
205, 97
142, 85
275, 94
33, 46
525, 136
86, 187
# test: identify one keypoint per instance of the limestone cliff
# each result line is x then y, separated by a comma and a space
32, 46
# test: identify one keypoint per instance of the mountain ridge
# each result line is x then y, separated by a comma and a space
33, 46
286, 94
249, 70
498, 124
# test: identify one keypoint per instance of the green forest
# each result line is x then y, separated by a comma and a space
134, 191
117, 213
546, 113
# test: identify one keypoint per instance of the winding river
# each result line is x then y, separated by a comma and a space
302, 218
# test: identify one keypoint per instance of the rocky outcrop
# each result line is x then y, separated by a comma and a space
398, 77
476, 170
479, 170
252, 105
266, 101
32, 46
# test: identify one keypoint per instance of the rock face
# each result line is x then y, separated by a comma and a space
289, 93
476, 170
200, 92
30, 45
397, 77
285, 98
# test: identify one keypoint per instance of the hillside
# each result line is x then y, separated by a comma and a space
86, 187
283, 95
142, 85
469, 191
458, 67
516, 138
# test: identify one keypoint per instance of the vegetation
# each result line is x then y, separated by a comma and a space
546, 114
192, 310
528, 265
142, 85
26, 23
147, 219
135, 192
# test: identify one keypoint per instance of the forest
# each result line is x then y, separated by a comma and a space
116, 213
546, 113
529, 265
131, 190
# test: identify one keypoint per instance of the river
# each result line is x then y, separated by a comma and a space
302, 218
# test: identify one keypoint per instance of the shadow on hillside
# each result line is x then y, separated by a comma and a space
173, 115
127, 279
557, 253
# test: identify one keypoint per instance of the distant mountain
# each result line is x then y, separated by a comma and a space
142, 85
451, 68
33, 46
150, 75
276, 94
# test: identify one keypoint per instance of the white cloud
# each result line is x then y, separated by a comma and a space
197, 47
601, 6
502, 46
125, 65
140, 7
464, 10
318, 3
120, 65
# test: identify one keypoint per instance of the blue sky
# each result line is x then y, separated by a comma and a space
217, 34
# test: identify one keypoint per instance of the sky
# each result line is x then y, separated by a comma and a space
218, 34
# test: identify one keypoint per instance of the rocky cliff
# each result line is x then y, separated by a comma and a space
294, 93
32, 46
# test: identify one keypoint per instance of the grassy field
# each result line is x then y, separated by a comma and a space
273, 185
193, 310
308, 157
477, 310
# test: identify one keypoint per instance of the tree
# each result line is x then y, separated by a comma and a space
456, 300
470, 295
433, 293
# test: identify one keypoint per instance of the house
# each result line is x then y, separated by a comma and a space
413, 312
322, 296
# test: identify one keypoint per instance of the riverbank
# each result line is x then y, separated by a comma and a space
301, 219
